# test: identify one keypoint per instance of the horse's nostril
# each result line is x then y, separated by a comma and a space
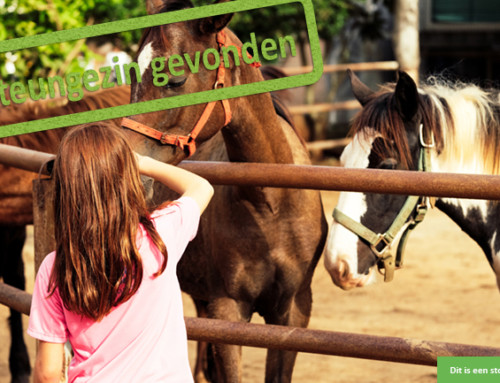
344, 270
343, 276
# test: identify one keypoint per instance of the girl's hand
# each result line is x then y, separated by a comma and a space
177, 179
141, 163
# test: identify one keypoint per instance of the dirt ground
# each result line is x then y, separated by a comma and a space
446, 292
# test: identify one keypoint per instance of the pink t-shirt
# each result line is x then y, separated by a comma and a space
141, 340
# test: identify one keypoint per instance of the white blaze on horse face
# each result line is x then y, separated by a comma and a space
145, 58
341, 256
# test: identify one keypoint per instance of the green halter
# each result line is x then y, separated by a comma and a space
381, 244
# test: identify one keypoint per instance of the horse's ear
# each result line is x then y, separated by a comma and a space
406, 95
153, 6
362, 93
215, 24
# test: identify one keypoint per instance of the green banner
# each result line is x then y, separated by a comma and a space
468, 369
176, 101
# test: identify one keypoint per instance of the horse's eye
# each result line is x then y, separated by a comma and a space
175, 82
388, 163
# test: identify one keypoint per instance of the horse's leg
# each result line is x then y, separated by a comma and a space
204, 361
279, 363
227, 357
12, 239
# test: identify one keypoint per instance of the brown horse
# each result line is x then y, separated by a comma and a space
16, 202
257, 247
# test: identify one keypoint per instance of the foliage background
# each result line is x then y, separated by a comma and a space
19, 18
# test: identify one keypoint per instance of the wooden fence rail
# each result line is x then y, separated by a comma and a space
316, 177
365, 66
384, 348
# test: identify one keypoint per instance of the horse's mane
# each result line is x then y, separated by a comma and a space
48, 140
472, 136
463, 118
269, 73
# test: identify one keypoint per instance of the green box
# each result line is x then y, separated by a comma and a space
468, 369
170, 102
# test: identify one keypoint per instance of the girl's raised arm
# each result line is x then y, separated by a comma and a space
179, 180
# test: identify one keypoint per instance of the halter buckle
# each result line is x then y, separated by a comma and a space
190, 143
387, 264
163, 139
421, 210
386, 246
421, 137
218, 85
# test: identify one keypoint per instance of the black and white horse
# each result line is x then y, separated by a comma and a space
458, 127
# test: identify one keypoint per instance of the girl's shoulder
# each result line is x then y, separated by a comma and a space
184, 205
44, 271
178, 221
48, 262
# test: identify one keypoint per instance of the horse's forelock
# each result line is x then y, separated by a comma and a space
158, 33
381, 116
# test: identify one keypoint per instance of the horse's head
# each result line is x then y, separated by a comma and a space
177, 59
386, 135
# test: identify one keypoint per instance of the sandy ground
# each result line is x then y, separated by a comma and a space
446, 292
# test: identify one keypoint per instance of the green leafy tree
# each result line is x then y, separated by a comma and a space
289, 19
20, 18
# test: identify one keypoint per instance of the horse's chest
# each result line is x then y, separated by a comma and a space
241, 249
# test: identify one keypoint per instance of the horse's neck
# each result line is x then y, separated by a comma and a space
256, 133
479, 219
474, 153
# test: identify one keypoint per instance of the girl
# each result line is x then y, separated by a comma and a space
110, 288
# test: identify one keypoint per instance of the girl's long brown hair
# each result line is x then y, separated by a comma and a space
99, 203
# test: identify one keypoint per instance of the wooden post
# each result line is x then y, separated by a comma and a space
43, 219
406, 37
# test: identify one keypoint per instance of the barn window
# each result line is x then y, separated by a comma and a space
465, 11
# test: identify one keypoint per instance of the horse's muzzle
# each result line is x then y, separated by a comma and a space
342, 277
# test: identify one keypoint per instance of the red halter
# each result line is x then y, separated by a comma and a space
189, 140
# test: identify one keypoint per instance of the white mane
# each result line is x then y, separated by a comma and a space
470, 126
